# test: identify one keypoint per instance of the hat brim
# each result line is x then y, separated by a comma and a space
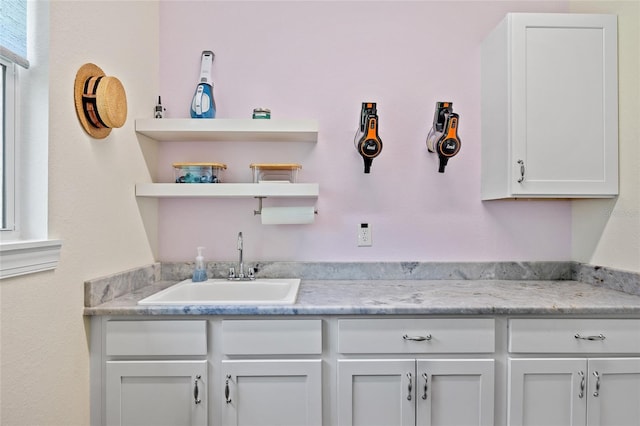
86, 71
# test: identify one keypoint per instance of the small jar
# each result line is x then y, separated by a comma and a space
262, 113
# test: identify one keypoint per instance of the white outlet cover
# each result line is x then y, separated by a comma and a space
364, 235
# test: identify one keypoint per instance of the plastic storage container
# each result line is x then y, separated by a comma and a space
275, 172
198, 172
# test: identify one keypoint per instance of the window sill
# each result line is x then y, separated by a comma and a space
27, 257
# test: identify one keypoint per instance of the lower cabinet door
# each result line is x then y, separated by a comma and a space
455, 392
272, 392
614, 392
548, 392
159, 393
376, 392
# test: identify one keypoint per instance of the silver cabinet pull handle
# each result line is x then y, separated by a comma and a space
195, 390
426, 385
597, 376
582, 379
226, 390
598, 337
522, 170
417, 338
410, 387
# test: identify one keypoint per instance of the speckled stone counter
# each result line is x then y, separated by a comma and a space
409, 297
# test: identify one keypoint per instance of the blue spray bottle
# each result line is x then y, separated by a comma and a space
203, 105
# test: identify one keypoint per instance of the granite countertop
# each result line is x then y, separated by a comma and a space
408, 297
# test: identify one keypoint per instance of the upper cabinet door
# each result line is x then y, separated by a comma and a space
550, 107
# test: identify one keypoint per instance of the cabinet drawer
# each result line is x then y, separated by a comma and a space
271, 337
574, 335
416, 336
130, 338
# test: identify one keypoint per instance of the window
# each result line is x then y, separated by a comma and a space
24, 243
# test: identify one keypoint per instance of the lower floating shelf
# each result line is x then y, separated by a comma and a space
227, 190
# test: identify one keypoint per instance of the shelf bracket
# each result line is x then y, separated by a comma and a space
259, 211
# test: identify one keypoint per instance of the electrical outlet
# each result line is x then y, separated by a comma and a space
364, 235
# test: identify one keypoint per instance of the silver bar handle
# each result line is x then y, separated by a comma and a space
582, 380
581, 337
522, 170
426, 385
417, 338
195, 390
410, 387
226, 390
597, 376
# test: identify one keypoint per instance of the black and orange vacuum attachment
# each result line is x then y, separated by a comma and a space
443, 137
368, 144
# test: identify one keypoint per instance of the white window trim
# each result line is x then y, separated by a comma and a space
26, 257
30, 249
11, 80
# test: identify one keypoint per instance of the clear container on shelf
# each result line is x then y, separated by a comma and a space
271, 172
198, 172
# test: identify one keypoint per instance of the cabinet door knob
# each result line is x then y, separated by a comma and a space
522, 170
581, 337
582, 380
226, 389
417, 338
195, 390
426, 385
597, 376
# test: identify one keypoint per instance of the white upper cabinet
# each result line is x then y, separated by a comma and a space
550, 107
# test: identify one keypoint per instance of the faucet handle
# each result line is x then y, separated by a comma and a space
251, 273
232, 272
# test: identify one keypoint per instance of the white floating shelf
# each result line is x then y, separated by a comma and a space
227, 190
228, 129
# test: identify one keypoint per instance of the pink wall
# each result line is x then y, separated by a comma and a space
321, 60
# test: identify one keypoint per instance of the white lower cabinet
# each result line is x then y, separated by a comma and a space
365, 371
264, 380
594, 389
415, 391
159, 393
574, 392
408, 392
272, 392
155, 373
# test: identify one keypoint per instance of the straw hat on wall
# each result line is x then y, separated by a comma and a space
101, 103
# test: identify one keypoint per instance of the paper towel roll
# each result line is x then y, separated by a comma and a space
287, 215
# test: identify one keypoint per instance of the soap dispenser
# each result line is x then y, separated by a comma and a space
199, 272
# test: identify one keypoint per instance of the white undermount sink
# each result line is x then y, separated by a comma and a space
225, 292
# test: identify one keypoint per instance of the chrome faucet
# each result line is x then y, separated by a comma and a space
241, 275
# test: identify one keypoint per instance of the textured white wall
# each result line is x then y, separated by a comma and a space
92, 208
607, 232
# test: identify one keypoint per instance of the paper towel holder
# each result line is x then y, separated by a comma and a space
259, 211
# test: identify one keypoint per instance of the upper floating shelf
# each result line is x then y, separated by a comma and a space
228, 129
227, 190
